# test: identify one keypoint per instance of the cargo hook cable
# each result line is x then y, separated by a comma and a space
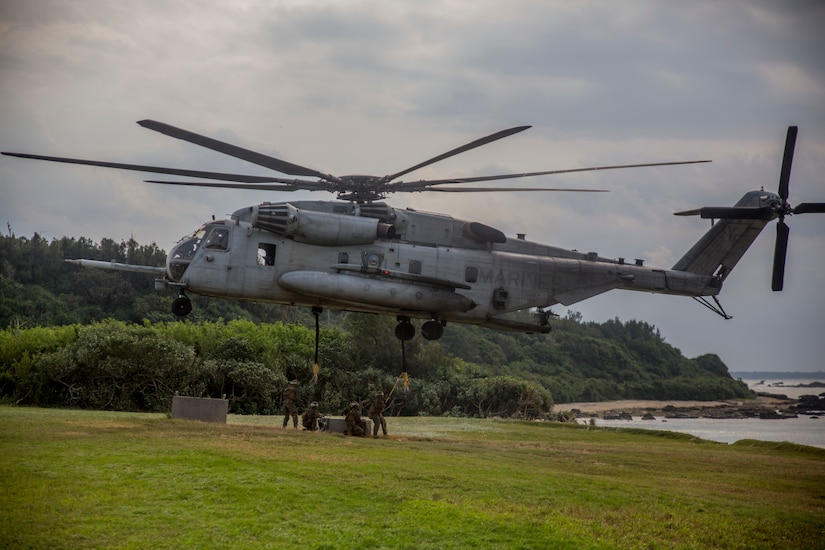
315, 369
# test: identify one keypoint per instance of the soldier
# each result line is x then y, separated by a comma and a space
291, 396
375, 414
310, 417
353, 419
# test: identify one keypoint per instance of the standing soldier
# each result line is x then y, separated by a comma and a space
353, 419
375, 414
291, 396
310, 417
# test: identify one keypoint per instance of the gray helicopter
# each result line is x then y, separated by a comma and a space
360, 254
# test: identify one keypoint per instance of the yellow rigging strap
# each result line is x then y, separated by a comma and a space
405, 386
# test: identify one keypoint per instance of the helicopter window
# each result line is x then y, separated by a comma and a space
415, 267
471, 274
218, 239
187, 246
266, 254
343, 258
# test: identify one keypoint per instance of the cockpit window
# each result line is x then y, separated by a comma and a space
183, 252
217, 239
187, 246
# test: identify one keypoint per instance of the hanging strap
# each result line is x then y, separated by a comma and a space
317, 312
401, 377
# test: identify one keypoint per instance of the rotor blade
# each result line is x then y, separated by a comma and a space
787, 160
736, 212
285, 185
233, 150
154, 169
779, 253
424, 184
694, 212
508, 189
810, 208
472, 145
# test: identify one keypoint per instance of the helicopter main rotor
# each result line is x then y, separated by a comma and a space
356, 188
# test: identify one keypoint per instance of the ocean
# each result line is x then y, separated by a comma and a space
804, 430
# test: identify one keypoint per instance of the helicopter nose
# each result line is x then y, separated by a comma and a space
178, 259
175, 268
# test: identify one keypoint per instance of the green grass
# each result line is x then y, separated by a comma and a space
84, 479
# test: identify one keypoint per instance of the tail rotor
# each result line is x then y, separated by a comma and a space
770, 210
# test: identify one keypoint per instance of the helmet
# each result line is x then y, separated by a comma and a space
379, 392
293, 383
354, 405
314, 404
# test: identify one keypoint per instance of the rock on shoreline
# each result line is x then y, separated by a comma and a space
764, 406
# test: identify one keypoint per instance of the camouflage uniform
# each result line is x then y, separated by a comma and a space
375, 414
310, 417
291, 395
353, 420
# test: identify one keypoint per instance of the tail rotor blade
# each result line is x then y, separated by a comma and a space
779, 253
810, 208
787, 160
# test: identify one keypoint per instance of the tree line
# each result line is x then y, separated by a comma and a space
124, 366
99, 339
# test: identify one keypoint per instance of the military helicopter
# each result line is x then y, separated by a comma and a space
360, 254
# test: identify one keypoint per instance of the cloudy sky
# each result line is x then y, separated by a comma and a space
372, 87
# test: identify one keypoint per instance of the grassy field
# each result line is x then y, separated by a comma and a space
83, 479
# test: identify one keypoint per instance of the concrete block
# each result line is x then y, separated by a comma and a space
198, 408
338, 425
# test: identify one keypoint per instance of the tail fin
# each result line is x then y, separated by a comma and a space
719, 250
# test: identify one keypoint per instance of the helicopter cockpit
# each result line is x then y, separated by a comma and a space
212, 235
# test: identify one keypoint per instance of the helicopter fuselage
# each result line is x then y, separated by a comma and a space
373, 258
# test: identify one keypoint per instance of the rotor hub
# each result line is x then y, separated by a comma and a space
361, 188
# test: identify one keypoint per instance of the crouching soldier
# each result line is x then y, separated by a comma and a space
310, 417
353, 419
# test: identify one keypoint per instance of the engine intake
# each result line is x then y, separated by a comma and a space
321, 228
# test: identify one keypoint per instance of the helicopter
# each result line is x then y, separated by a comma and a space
358, 253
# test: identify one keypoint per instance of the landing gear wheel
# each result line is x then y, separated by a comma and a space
182, 306
404, 330
432, 330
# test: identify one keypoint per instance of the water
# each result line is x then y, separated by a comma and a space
804, 430
784, 385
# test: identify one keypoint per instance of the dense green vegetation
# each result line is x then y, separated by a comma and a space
120, 366
99, 339
91, 479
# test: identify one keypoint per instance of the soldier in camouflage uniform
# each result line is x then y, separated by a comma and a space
291, 396
375, 414
353, 419
310, 417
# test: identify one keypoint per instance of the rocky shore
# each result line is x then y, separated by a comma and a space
768, 406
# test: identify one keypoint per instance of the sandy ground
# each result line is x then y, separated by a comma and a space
630, 405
